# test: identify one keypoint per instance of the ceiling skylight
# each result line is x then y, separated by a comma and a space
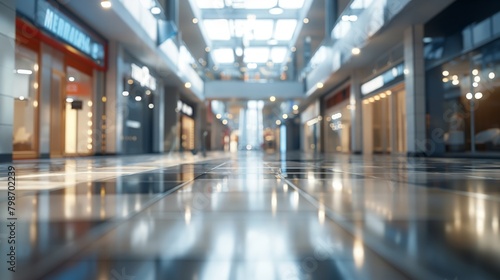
210, 4
262, 29
217, 29
278, 54
257, 55
224, 55
285, 29
259, 4
291, 4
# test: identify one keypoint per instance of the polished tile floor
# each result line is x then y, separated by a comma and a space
252, 215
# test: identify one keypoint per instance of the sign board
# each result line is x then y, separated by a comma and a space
70, 32
141, 74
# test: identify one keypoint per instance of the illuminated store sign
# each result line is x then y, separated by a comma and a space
184, 108
141, 74
383, 79
70, 32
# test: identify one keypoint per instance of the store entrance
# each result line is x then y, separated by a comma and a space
384, 122
57, 115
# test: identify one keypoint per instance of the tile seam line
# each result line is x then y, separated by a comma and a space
68, 251
405, 269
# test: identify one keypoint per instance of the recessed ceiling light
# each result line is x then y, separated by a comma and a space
306, 20
356, 51
71, 79
187, 85
106, 4
276, 11
195, 20
155, 10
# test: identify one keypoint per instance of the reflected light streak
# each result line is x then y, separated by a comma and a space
187, 216
321, 214
337, 185
274, 202
295, 200
358, 253
285, 187
69, 203
494, 224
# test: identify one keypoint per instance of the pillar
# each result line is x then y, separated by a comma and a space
415, 90
7, 66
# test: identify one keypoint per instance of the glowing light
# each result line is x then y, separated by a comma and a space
356, 51
319, 85
446, 73
278, 122
358, 253
272, 98
224, 122
151, 106
155, 10
106, 4
104, 99
468, 96
491, 75
475, 72
478, 95
187, 85
195, 20
477, 79
445, 80
90, 103
295, 107
285, 116
455, 82
138, 98
125, 93
218, 116
68, 100
71, 79
306, 20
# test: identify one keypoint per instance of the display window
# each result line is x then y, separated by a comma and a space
26, 79
471, 100
385, 122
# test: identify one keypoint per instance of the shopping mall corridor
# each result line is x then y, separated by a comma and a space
251, 215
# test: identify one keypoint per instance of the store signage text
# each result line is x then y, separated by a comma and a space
184, 108
141, 74
64, 28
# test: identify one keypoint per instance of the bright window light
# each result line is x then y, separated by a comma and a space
217, 29
278, 54
291, 4
223, 55
260, 4
263, 29
285, 29
341, 29
210, 4
240, 27
257, 55
360, 4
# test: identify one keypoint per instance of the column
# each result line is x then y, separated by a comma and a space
171, 119
115, 107
7, 87
415, 90
158, 120
356, 114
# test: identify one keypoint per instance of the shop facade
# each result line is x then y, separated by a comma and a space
337, 124
60, 65
384, 112
310, 120
463, 83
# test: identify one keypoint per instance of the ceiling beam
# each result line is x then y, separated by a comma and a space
234, 43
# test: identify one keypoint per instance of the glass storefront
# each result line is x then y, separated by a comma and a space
384, 121
337, 132
79, 113
471, 100
25, 130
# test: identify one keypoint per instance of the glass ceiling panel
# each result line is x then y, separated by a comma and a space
217, 29
285, 29
262, 29
257, 55
291, 4
278, 54
259, 4
210, 4
222, 56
